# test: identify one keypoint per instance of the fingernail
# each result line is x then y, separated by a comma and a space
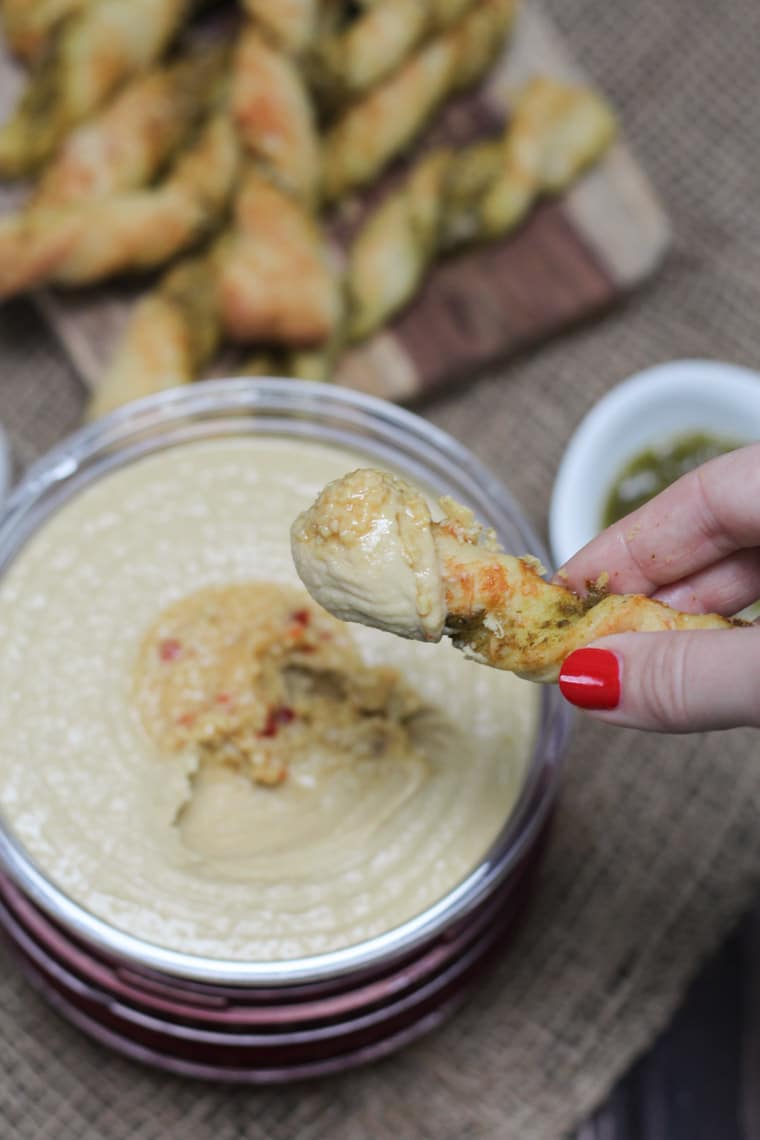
590, 679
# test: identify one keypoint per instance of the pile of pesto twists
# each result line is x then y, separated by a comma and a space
209, 154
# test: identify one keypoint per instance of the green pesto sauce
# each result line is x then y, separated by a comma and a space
654, 470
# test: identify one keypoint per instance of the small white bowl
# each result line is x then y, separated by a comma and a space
647, 410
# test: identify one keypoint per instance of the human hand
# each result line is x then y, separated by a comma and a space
696, 547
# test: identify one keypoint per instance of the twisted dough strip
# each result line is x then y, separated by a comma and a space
94, 52
266, 111
396, 246
138, 230
369, 551
28, 24
172, 333
502, 612
558, 130
276, 282
354, 59
482, 191
273, 115
265, 278
291, 24
127, 143
379, 127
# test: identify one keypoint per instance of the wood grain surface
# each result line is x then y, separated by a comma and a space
701, 1078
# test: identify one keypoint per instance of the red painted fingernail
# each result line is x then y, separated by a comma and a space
590, 679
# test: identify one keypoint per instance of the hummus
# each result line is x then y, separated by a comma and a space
208, 859
365, 551
254, 678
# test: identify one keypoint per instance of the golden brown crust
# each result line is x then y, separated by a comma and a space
274, 117
132, 138
502, 612
81, 244
276, 283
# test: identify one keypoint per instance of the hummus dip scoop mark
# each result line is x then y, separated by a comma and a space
368, 550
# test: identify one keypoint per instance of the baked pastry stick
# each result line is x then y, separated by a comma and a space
267, 271
381, 125
175, 329
377, 42
276, 282
138, 230
93, 53
128, 142
28, 24
454, 197
556, 132
292, 25
368, 550
396, 245
172, 333
273, 114
477, 40
474, 169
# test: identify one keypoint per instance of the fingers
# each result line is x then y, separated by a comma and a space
724, 588
669, 682
702, 519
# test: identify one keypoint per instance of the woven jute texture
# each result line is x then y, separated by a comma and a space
656, 850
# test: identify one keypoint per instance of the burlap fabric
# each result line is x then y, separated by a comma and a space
657, 845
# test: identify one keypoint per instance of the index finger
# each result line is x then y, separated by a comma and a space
705, 516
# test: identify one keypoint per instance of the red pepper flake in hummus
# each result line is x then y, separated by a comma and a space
170, 649
276, 719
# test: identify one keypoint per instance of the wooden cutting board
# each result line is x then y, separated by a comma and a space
571, 259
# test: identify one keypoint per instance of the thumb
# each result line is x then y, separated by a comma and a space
687, 681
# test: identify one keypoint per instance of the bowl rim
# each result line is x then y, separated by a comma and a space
728, 384
245, 397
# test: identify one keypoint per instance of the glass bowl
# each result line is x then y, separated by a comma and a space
281, 1020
